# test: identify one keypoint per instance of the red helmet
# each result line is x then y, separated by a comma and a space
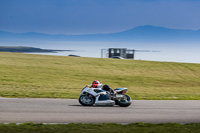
95, 83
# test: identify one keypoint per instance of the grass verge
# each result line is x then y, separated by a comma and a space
42, 76
99, 128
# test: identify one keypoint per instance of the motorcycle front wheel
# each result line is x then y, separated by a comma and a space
86, 100
123, 102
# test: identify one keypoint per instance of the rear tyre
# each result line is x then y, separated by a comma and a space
123, 102
86, 100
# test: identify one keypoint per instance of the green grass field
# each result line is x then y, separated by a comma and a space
42, 76
100, 128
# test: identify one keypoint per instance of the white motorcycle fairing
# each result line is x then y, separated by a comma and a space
101, 97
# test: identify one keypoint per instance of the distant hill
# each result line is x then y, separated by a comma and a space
146, 33
21, 49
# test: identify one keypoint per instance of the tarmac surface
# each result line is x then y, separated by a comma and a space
38, 110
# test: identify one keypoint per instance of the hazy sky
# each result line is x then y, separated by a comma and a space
96, 16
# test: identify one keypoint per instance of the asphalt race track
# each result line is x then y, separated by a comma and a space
19, 110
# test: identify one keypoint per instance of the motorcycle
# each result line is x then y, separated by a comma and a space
97, 96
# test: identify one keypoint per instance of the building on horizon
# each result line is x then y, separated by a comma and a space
118, 53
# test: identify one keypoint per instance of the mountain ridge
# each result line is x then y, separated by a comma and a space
141, 33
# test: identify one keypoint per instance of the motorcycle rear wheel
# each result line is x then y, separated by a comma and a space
86, 100
124, 102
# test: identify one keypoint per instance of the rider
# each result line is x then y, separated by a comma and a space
97, 84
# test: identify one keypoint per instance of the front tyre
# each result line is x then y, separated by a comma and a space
124, 102
86, 100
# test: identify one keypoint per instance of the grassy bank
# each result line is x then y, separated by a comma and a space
99, 128
24, 75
